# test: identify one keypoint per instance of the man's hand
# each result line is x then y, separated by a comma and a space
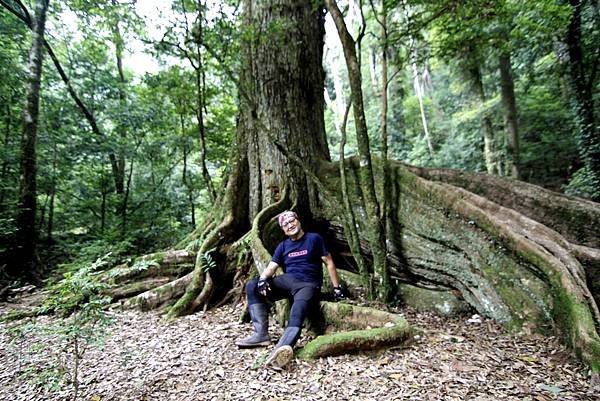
338, 293
263, 287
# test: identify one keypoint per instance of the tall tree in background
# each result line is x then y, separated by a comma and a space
582, 72
459, 35
118, 161
509, 99
472, 61
509, 105
192, 47
26, 217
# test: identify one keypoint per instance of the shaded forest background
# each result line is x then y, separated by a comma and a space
151, 168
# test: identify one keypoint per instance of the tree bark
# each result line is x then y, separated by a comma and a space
489, 151
509, 105
26, 219
5, 163
281, 90
583, 99
575, 219
283, 76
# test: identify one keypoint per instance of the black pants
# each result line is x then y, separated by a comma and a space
304, 295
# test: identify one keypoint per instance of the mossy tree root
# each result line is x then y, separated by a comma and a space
172, 262
576, 219
157, 297
132, 289
260, 229
200, 286
390, 330
575, 310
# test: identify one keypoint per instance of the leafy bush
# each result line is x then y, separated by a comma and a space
582, 184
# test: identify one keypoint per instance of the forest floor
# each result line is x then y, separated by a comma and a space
145, 357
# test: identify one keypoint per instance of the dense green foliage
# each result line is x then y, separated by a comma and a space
152, 119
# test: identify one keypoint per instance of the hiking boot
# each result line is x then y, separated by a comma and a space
259, 314
280, 357
289, 337
254, 340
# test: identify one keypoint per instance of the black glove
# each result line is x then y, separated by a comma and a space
263, 287
338, 293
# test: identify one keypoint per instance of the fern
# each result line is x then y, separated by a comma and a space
206, 260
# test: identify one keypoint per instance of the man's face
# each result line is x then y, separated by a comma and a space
291, 226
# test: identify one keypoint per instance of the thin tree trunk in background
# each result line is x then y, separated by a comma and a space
386, 187
50, 226
103, 211
419, 92
509, 104
126, 199
349, 216
202, 132
25, 266
377, 231
337, 106
184, 174
373, 66
582, 99
118, 165
489, 152
197, 63
5, 163
41, 215
384, 113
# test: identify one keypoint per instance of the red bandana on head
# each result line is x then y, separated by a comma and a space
285, 216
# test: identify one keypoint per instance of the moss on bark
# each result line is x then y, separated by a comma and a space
507, 266
390, 330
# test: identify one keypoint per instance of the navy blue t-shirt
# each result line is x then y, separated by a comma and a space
302, 258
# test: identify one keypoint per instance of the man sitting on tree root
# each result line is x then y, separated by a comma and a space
300, 256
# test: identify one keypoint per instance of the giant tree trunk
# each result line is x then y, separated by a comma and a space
25, 264
281, 90
284, 78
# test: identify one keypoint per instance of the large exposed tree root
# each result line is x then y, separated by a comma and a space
574, 307
356, 329
158, 296
201, 286
541, 249
576, 219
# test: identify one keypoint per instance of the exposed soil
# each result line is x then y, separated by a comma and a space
145, 357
